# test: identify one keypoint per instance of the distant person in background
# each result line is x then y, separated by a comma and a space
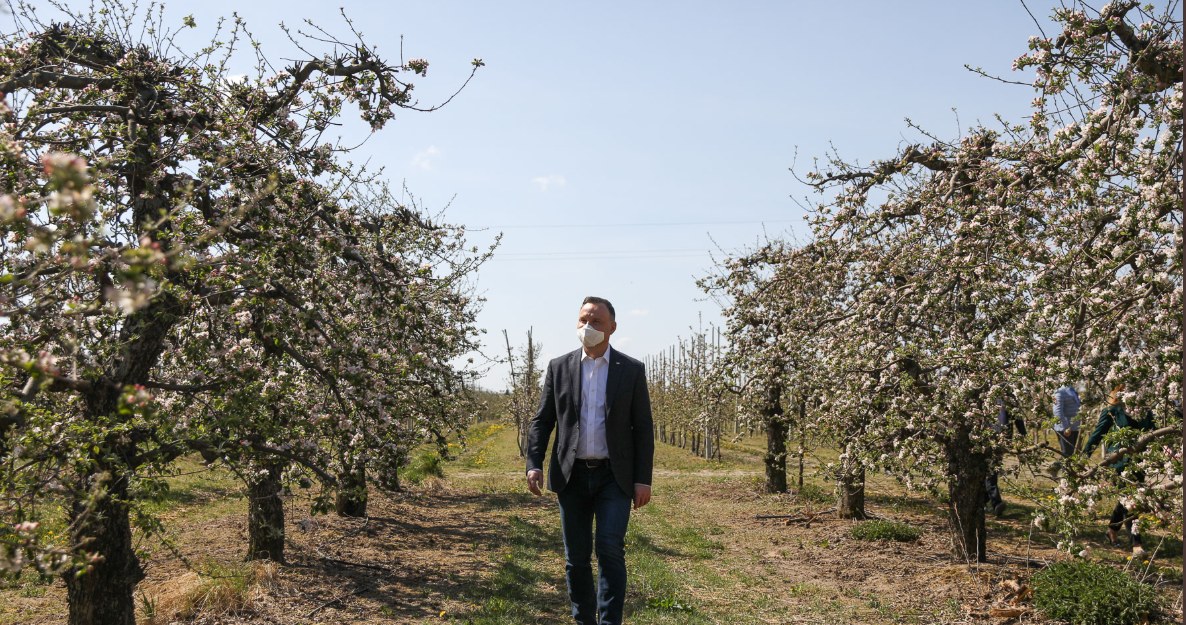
596, 400
1004, 427
1115, 416
1066, 409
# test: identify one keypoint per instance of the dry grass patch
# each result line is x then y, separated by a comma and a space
216, 591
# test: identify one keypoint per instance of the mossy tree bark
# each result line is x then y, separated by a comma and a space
966, 472
265, 515
776, 441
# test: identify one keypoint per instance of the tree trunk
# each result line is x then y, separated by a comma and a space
265, 516
966, 472
351, 500
776, 458
802, 439
776, 442
850, 501
102, 593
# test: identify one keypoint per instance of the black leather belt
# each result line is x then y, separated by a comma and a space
592, 463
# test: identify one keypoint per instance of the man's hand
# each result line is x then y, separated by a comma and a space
642, 494
535, 482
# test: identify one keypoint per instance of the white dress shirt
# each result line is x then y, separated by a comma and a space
591, 437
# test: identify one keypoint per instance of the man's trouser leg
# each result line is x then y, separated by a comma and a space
576, 525
1067, 441
612, 509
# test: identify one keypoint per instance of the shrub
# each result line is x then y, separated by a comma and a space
813, 493
426, 464
879, 529
1089, 593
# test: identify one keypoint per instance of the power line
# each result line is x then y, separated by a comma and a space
586, 252
645, 224
496, 259
557, 256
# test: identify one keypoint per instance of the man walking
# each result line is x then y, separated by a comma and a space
596, 400
1066, 411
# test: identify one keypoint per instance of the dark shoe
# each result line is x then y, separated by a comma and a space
1110, 535
999, 509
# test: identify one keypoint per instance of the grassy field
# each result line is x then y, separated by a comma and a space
474, 547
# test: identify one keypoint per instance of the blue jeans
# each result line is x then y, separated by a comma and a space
592, 494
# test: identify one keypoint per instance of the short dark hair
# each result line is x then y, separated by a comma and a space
592, 299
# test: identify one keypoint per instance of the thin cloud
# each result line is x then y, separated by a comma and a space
551, 181
639, 312
427, 158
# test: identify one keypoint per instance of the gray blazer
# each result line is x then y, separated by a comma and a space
629, 432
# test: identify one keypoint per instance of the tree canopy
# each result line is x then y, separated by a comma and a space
957, 277
190, 265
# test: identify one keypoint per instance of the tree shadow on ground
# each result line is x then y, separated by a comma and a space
421, 555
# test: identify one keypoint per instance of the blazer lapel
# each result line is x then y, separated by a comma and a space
613, 381
574, 373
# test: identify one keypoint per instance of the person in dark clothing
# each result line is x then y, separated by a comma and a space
1115, 416
595, 399
1005, 425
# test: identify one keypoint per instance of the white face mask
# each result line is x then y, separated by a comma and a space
590, 337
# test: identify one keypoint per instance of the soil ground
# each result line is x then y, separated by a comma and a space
474, 547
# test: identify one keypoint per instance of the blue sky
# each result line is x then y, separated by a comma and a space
593, 122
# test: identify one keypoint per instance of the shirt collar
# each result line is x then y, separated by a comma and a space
586, 357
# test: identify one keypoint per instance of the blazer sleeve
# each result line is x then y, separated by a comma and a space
642, 429
539, 430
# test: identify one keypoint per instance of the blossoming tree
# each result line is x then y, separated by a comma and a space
189, 265
990, 270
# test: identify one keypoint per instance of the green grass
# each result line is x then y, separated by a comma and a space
425, 464
200, 489
658, 593
488, 444
815, 494
884, 530
672, 458
688, 541
28, 584
512, 594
